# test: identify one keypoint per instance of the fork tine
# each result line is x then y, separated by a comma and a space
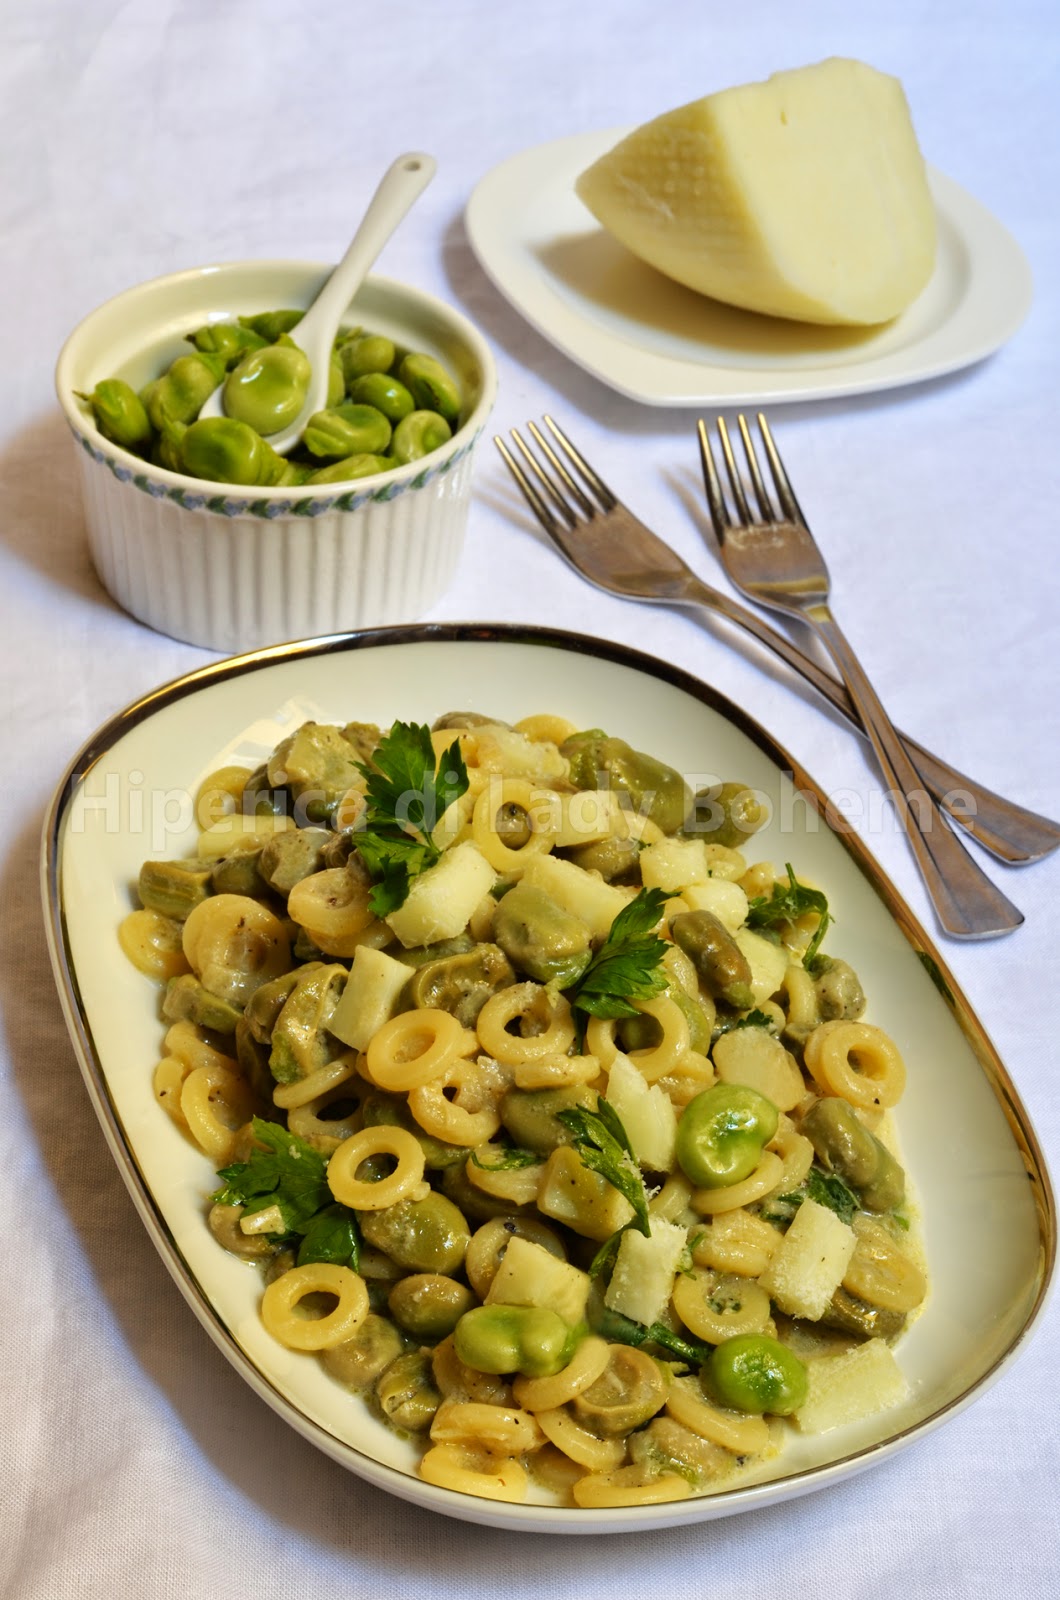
765, 505
785, 493
735, 483
719, 511
607, 499
538, 506
571, 485
568, 512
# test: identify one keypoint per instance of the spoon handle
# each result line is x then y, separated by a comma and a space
402, 184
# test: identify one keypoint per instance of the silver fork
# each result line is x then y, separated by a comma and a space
774, 559
612, 548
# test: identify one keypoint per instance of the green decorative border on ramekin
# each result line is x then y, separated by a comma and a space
225, 505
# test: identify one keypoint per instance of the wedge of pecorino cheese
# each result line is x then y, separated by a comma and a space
804, 196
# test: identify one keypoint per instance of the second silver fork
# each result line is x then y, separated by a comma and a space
776, 561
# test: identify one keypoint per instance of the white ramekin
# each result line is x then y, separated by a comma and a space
234, 569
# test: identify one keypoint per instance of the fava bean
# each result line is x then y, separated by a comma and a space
430, 385
347, 429
418, 434
181, 392
387, 394
267, 389
527, 1339
722, 1133
758, 1374
120, 414
362, 353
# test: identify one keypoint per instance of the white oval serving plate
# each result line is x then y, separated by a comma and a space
989, 1222
661, 343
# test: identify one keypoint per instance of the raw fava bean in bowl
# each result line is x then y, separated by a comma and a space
202, 531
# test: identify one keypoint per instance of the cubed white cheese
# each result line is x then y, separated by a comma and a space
370, 997
768, 963
530, 1275
857, 1383
809, 1262
646, 1112
805, 196
673, 864
441, 900
726, 900
643, 1279
580, 892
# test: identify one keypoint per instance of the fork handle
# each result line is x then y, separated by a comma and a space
1010, 832
967, 903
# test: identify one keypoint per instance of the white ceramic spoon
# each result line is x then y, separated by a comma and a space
400, 186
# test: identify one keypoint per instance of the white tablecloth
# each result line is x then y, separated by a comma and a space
144, 137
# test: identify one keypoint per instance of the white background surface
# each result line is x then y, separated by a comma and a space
146, 137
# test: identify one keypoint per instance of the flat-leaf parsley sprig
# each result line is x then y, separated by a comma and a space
628, 965
407, 792
603, 1144
786, 903
285, 1174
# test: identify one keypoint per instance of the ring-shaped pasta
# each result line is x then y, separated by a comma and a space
154, 944
382, 1139
454, 1466
738, 1242
612, 1489
600, 1040
414, 1048
801, 996
796, 1153
545, 728
325, 1134
184, 1041
582, 1370
235, 944
446, 1119
279, 1302
219, 794
168, 1081
332, 906
512, 792
516, 1186
856, 1061
299, 1093
743, 1435
672, 1199
502, 1430
556, 1072
587, 1449
457, 1382
716, 1307
517, 1001
215, 1104
675, 1043
763, 1180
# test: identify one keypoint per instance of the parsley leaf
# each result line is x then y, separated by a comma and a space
407, 792
602, 1142
285, 1172
754, 1019
828, 1189
627, 965
786, 903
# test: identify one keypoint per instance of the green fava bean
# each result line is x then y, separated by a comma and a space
722, 1133
227, 340
540, 937
223, 451
723, 969
180, 394
500, 1339
656, 790
365, 352
336, 381
727, 815
757, 1374
120, 414
272, 325
428, 1235
418, 434
430, 385
387, 394
356, 466
346, 430
168, 448
267, 389
429, 1305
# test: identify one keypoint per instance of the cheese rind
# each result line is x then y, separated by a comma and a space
804, 197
